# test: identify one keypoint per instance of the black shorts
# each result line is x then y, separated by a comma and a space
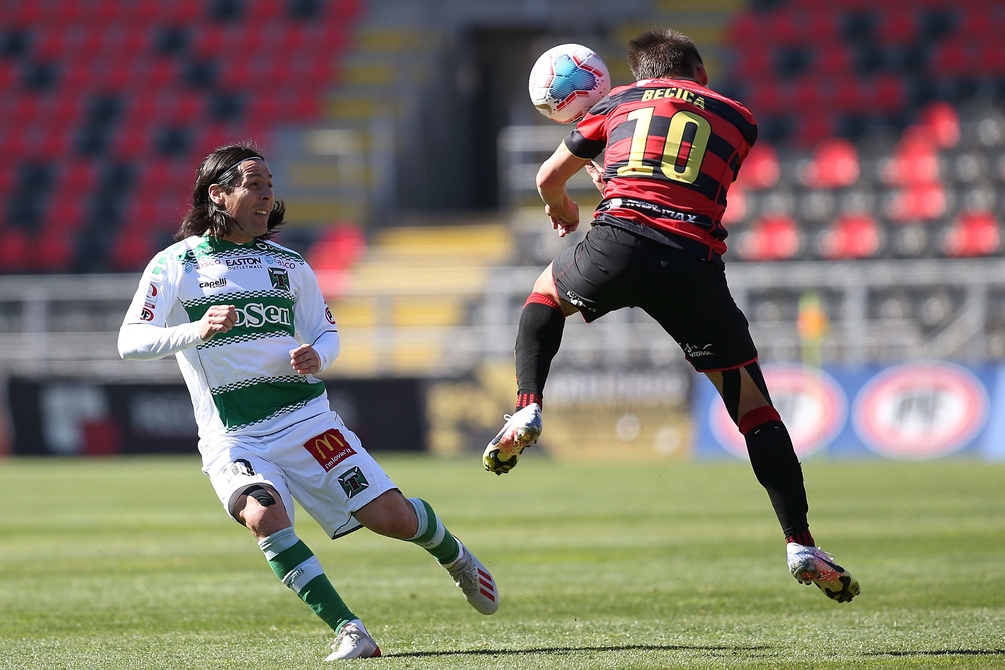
613, 268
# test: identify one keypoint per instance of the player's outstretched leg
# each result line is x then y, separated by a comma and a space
519, 432
811, 565
473, 578
353, 641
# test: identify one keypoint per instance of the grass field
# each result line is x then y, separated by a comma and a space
131, 563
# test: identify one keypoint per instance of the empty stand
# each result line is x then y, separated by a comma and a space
89, 86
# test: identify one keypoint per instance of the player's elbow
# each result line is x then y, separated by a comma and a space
549, 181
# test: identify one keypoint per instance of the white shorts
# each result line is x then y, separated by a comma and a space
318, 462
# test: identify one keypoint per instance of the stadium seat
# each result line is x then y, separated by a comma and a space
772, 238
760, 169
15, 250
834, 164
852, 236
917, 202
975, 234
736, 208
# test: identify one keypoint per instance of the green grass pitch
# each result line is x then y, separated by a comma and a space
131, 563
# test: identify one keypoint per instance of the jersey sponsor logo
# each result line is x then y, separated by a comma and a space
280, 279
149, 302
353, 482
921, 410
329, 315
281, 262
256, 315
239, 263
214, 283
812, 405
329, 449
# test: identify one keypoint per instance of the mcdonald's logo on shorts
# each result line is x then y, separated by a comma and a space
329, 448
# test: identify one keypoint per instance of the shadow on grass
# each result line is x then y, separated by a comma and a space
941, 652
573, 650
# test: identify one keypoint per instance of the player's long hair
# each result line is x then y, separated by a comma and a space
662, 53
205, 217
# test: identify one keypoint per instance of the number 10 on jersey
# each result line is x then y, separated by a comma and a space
683, 151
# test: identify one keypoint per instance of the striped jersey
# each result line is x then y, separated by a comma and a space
672, 149
241, 381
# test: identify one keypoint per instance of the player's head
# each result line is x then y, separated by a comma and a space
665, 53
232, 184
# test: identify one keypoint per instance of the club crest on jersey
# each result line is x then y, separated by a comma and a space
353, 482
280, 279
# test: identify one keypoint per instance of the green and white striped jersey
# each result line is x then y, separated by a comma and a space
241, 381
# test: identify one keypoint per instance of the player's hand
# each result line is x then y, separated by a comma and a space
564, 218
305, 360
596, 173
217, 319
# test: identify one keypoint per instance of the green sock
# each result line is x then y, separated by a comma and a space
432, 535
297, 567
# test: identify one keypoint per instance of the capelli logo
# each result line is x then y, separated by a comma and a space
215, 283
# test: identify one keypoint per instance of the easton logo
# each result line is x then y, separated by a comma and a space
280, 279
329, 449
353, 482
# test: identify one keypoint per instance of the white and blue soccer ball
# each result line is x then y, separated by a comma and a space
566, 81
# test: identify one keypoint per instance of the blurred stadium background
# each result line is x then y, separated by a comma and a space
865, 230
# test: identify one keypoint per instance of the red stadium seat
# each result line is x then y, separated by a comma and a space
754, 63
851, 236
814, 126
917, 202
834, 164
772, 238
954, 57
991, 57
975, 234
821, 27
736, 209
15, 250
915, 160
132, 249
745, 29
896, 25
53, 251
760, 169
888, 93
941, 122
833, 59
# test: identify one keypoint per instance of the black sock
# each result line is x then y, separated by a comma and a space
537, 341
778, 471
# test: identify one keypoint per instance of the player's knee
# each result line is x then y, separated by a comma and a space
391, 515
260, 508
756, 418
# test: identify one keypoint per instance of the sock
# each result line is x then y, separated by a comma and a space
432, 535
297, 567
537, 341
777, 469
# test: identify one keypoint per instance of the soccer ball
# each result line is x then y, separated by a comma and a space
566, 81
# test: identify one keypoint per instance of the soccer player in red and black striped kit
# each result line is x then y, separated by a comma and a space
672, 147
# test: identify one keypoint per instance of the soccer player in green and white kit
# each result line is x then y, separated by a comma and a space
249, 327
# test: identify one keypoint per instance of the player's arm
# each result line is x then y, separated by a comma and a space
145, 335
316, 326
551, 179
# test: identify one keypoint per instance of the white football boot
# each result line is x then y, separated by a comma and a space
475, 581
519, 432
810, 565
353, 641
